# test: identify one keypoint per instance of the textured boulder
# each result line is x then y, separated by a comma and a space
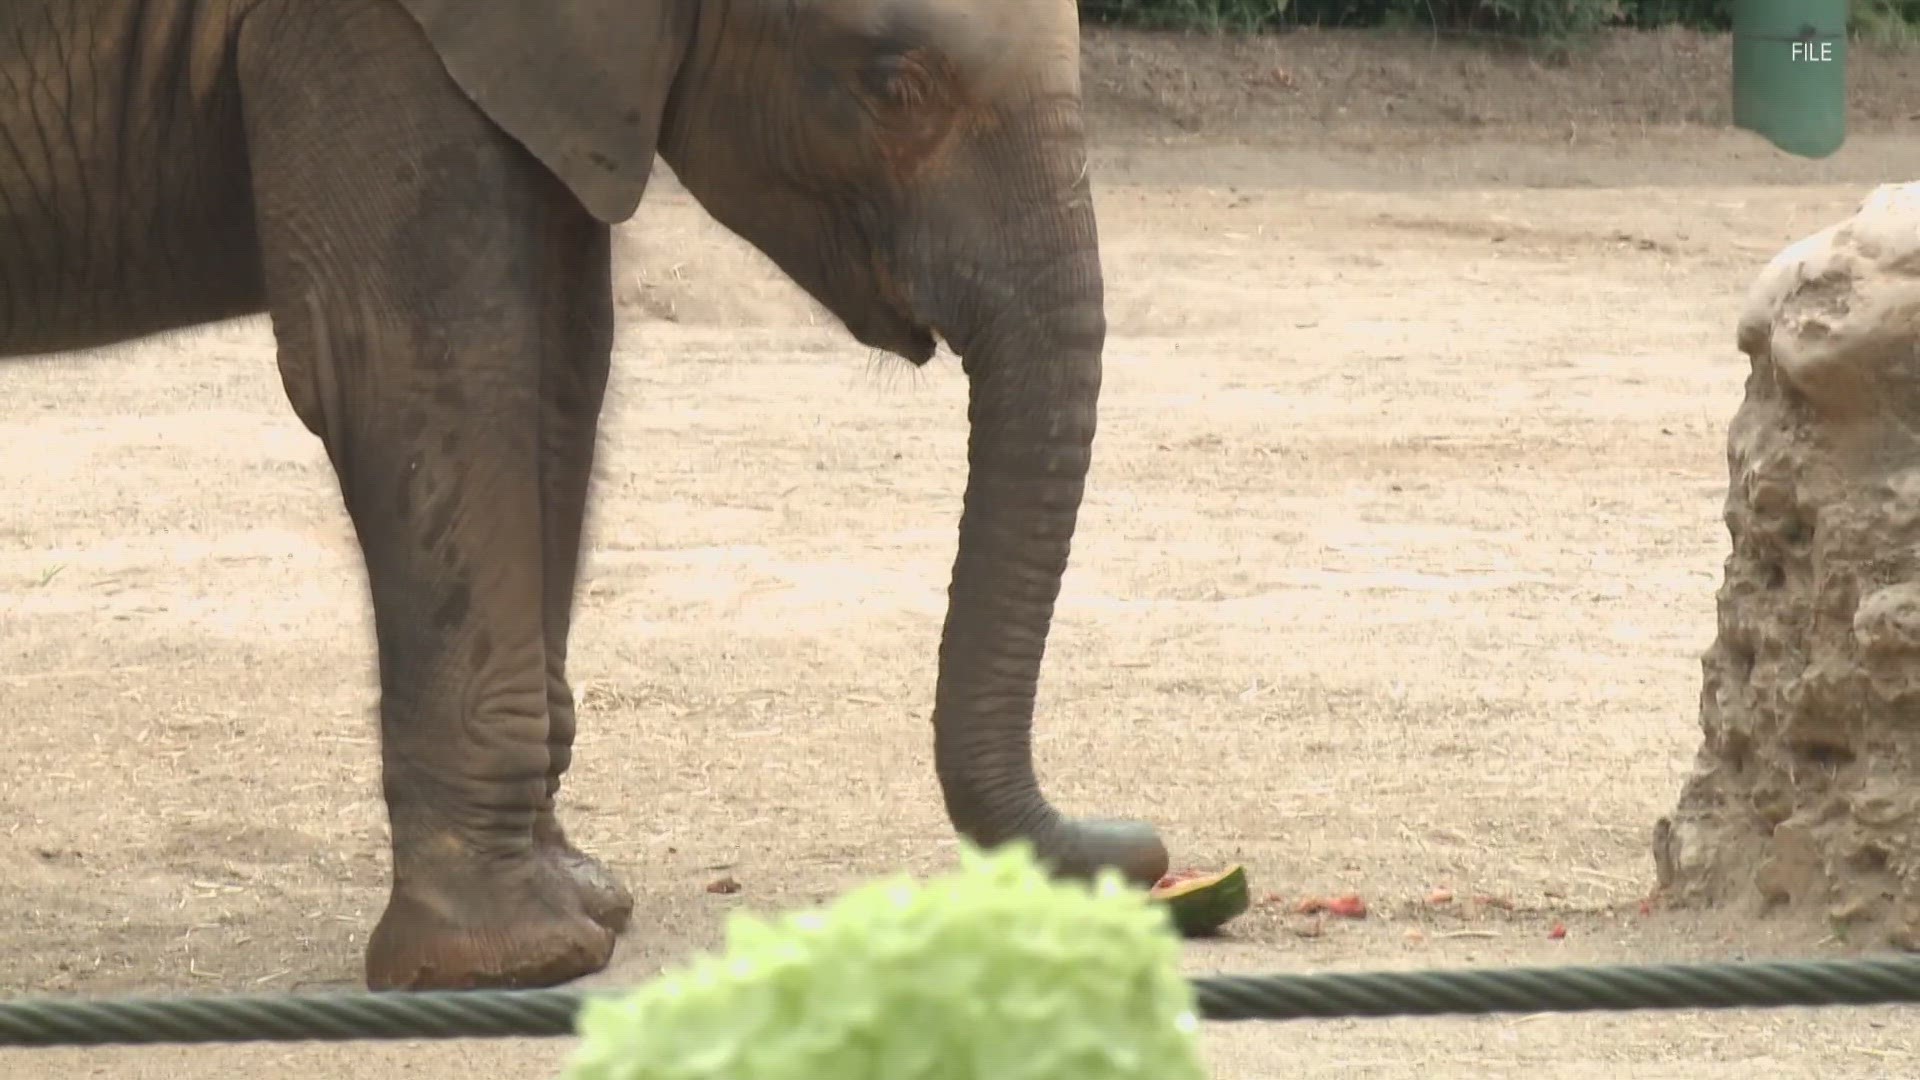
1805, 793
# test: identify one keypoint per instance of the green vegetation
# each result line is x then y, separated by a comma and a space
995, 972
1874, 20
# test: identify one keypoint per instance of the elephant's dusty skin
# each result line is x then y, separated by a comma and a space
1805, 788
419, 193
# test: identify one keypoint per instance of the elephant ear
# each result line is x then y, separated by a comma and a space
582, 84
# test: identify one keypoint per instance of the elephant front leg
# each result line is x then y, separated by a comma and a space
478, 900
440, 473
413, 255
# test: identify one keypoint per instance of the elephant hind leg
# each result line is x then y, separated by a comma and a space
413, 253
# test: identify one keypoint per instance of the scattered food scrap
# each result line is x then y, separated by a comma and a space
1349, 906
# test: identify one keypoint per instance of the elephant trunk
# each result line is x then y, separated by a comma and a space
1034, 377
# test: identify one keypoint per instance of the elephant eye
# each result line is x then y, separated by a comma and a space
897, 82
912, 103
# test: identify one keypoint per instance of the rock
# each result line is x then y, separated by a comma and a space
1887, 623
1805, 792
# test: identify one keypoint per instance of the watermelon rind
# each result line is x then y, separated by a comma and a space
1200, 906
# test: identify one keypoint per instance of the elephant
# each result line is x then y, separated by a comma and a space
419, 195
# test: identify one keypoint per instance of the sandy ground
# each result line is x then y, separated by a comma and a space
1398, 557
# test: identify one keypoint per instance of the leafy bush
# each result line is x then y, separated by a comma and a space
1882, 19
1213, 16
1547, 18
1863, 16
1693, 14
1891, 21
997, 972
1550, 19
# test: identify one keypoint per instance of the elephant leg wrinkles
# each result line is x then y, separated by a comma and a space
578, 306
443, 342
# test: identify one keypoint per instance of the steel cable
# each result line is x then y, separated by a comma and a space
495, 1014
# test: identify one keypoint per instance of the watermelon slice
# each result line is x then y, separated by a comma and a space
1201, 902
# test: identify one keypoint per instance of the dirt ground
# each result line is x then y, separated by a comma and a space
1398, 558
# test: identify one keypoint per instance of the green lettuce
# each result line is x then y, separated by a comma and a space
995, 972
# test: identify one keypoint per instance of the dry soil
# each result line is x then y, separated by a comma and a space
1393, 577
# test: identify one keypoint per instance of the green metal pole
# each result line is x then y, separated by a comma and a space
1790, 73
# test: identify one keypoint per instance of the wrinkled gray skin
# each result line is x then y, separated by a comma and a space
419, 193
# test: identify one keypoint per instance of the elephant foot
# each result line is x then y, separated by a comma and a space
1080, 849
486, 927
605, 899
